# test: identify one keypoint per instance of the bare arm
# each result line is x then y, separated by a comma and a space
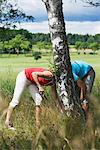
84, 102
37, 116
35, 75
82, 87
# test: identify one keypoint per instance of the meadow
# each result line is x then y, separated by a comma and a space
17, 63
58, 132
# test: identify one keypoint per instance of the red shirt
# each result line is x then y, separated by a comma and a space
42, 80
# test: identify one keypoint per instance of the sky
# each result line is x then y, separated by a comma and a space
79, 17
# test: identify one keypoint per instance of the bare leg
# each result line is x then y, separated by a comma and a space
37, 116
21, 83
37, 98
8, 116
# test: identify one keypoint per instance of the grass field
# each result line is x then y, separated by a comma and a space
16, 63
58, 131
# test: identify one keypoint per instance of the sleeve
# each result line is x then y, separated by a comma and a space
75, 77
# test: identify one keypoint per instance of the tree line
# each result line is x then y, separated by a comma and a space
22, 41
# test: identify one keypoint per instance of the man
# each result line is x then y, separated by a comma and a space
34, 79
84, 76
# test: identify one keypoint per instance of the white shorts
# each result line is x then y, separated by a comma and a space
21, 83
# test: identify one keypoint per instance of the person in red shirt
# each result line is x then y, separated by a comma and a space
34, 79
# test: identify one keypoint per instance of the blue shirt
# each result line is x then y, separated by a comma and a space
80, 69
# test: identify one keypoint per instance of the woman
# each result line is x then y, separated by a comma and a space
84, 76
34, 79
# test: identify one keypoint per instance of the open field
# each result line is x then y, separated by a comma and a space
16, 63
58, 132
94, 60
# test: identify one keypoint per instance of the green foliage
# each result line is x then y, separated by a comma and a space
17, 45
37, 55
94, 46
1, 47
90, 39
85, 45
73, 38
43, 45
7, 34
11, 14
21, 41
78, 46
41, 37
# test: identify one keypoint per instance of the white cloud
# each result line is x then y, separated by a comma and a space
33, 7
72, 11
71, 27
35, 27
83, 27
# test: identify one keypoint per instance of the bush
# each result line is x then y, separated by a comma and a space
37, 55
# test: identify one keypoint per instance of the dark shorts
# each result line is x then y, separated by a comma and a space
89, 80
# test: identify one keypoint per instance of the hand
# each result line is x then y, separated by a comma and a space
41, 90
85, 105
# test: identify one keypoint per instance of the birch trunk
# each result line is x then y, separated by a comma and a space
64, 77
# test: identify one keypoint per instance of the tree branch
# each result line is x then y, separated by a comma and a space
93, 3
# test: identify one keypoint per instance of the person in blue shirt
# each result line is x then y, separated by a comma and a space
84, 76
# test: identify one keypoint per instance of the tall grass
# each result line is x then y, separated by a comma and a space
57, 132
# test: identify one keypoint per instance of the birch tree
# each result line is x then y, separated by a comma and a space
64, 78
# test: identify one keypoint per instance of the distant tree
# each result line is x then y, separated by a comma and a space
7, 47
84, 46
94, 46
40, 37
16, 42
1, 48
78, 46
25, 46
97, 38
8, 34
40, 45
90, 39
43, 45
17, 45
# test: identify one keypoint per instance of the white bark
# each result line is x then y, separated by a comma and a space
64, 78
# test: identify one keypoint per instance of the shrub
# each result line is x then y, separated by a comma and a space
37, 55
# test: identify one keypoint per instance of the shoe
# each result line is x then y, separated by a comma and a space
10, 126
